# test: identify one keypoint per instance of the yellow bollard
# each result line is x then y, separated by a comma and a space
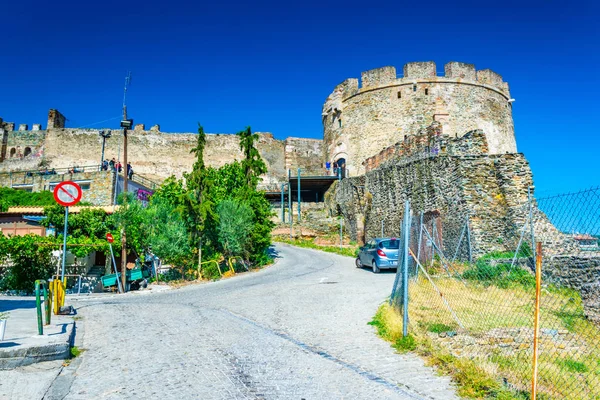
58, 291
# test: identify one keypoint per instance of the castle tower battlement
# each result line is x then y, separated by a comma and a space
360, 120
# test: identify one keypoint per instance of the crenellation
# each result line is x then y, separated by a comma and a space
23, 127
418, 70
489, 77
378, 76
9, 126
139, 127
357, 126
460, 70
36, 127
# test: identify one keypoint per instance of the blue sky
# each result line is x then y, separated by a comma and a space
271, 65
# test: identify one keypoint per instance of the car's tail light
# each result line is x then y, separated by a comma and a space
381, 253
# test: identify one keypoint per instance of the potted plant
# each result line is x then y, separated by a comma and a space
3, 318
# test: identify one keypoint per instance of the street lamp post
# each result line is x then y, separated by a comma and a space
105, 135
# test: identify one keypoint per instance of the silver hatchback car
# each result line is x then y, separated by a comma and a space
379, 253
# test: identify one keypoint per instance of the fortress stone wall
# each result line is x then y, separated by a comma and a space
361, 120
152, 153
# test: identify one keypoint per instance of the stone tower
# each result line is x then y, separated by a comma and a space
359, 121
55, 119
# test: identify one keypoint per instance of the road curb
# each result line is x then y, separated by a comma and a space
60, 349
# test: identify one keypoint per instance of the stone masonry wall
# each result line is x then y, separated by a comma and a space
97, 186
430, 141
359, 122
452, 187
306, 154
152, 153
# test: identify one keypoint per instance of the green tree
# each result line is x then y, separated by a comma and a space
29, 259
11, 198
235, 225
253, 164
196, 207
130, 219
167, 233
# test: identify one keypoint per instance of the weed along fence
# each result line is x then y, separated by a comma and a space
471, 292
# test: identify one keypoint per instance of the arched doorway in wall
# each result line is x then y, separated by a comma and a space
13, 151
27, 151
339, 166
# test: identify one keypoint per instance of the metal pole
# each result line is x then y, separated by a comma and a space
282, 209
341, 216
291, 216
116, 172
124, 236
529, 196
299, 200
381, 228
405, 268
419, 243
38, 305
102, 157
64, 254
115, 268
536, 321
469, 240
462, 233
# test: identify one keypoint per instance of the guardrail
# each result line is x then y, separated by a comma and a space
54, 171
38, 304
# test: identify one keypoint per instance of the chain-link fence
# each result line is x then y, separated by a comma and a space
472, 290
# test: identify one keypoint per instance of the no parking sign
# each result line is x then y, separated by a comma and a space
67, 193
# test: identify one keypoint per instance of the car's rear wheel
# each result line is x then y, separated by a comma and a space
358, 263
375, 267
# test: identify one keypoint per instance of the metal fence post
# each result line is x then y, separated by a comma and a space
299, 218
469, 240
291, 216
529, 197
405, 268
282, 209
341, 216
536, 321
381, 228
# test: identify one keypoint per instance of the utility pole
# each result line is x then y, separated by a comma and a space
125, 124
105, 135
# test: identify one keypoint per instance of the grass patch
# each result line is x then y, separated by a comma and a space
348, 251
490, 310
472, 380
406, 343
76, 351
572, 365
439, 328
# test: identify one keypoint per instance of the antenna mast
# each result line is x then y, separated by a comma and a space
127, 83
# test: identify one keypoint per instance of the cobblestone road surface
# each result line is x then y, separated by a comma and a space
297, 330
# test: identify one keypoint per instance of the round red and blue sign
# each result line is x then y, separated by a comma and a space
67, 193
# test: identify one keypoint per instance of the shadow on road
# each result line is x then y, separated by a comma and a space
8, 305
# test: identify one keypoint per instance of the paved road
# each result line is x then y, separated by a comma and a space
297, 330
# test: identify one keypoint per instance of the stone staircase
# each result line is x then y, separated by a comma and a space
90, 283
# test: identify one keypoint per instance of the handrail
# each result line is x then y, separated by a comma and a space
54, 171
47, 304
207, 262
237, 258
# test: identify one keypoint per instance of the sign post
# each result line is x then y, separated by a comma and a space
66, 194
110, 240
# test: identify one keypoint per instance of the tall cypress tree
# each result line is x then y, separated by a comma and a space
197, 205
